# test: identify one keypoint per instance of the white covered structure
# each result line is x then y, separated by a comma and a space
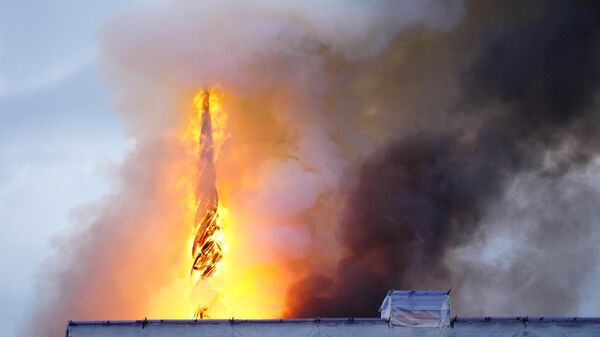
417, 308
403, 314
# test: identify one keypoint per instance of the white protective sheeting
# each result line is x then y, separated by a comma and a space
417, 308
494, 327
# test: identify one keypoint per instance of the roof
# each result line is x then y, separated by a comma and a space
404, 313
332, 327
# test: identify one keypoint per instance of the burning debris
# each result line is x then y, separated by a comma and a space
207, 250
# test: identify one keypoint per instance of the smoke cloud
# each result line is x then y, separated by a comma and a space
416, 214
371, 145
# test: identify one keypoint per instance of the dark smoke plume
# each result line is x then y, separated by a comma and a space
528, 76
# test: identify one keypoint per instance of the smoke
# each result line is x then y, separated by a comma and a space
372, 145
105, 268
286, 70
423, 210
534, 250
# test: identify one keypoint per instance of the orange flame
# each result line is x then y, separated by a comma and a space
243, 284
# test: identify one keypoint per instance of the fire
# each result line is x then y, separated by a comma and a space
207, 246
208, 242
230, 276
210, 99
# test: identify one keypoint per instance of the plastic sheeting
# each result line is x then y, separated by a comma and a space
417, 308
514, 327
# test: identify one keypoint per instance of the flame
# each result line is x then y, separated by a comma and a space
208, 243
211, 99
242, 284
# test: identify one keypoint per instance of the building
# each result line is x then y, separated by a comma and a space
403, 314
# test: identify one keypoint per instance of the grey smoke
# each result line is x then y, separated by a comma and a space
525, 105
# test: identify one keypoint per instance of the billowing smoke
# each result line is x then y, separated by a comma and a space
527, 105
372, 145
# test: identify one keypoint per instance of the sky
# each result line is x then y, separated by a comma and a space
59, 136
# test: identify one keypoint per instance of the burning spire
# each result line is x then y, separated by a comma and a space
207, 250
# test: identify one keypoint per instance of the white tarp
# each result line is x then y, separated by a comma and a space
417, 308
